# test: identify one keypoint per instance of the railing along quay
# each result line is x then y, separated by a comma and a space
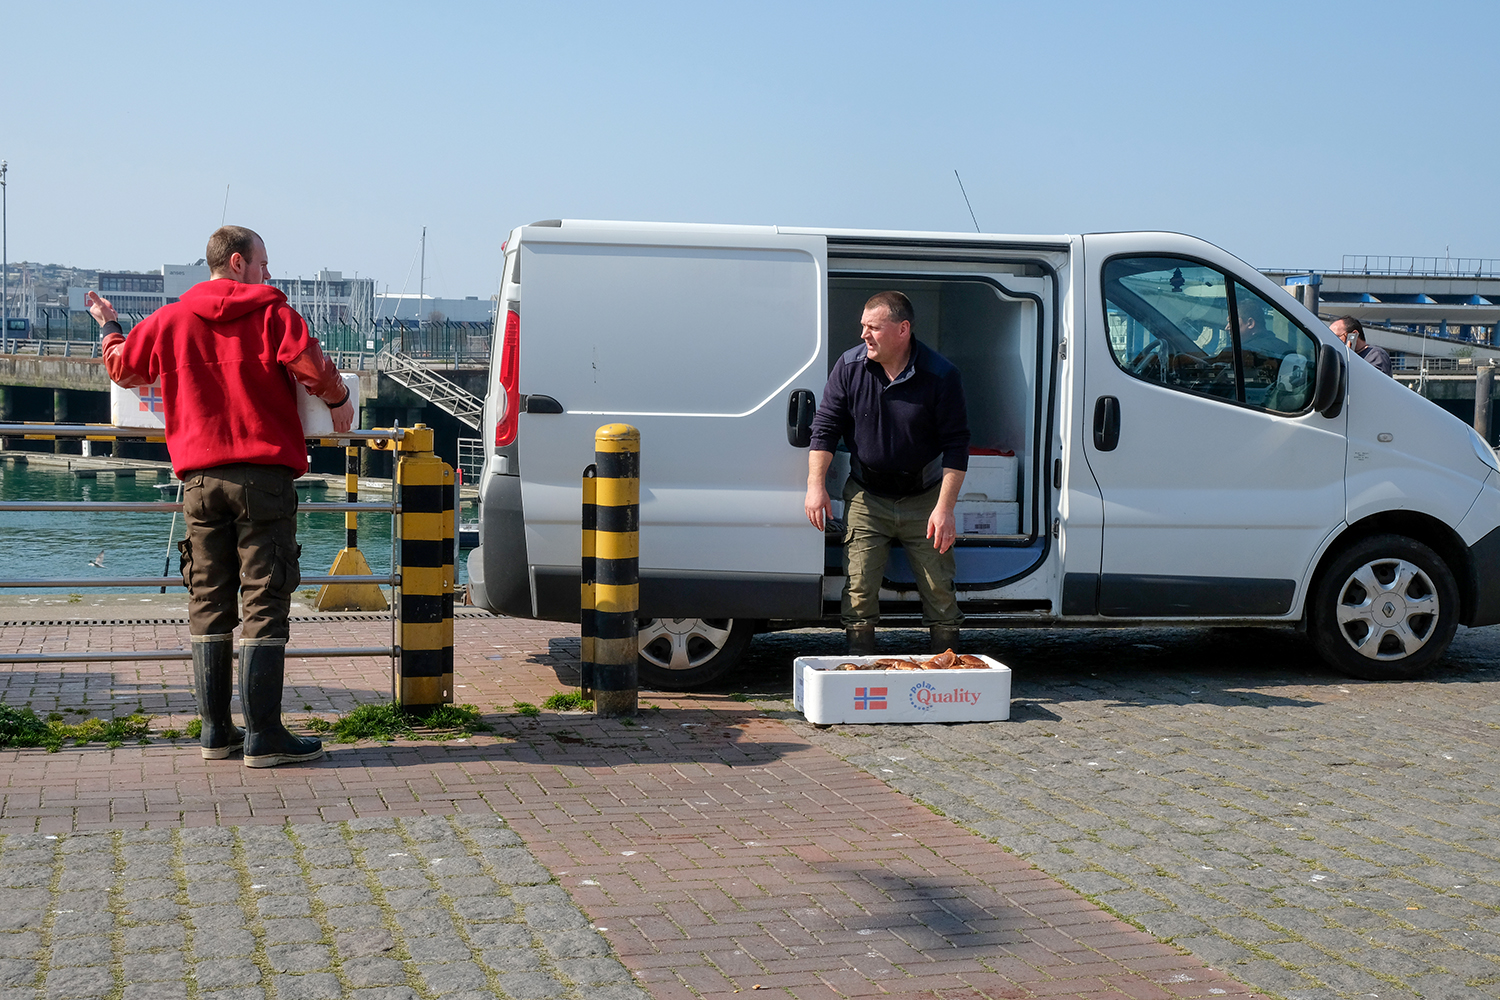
423, 573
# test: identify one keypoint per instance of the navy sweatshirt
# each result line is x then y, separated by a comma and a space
904, 425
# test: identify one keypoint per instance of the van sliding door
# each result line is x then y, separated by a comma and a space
696, 336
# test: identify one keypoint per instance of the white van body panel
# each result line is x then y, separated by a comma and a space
1428, 465
696, 336
1484, 515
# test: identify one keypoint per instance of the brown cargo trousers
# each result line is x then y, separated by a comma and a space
871, 521
241, 542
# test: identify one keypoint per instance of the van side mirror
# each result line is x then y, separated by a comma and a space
799, 417
1328, 393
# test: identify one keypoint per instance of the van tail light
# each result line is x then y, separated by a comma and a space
510, 380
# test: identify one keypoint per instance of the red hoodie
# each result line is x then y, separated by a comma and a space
224, 354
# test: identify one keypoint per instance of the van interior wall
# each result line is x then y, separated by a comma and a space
989, 337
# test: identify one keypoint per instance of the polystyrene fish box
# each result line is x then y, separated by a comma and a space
827, 696
987, 517
992, 475
139, 407
317, 418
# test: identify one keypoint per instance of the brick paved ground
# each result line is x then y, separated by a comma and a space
1316, 836
713, 847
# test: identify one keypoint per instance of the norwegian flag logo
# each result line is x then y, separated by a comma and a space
152, 400
870, 699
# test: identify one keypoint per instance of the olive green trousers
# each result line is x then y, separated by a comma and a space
871, 522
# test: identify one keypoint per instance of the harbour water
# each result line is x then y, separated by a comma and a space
62, 544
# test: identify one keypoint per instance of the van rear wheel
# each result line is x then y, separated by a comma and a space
1385, 609
683, 654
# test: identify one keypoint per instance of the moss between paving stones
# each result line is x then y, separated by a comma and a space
389, 722
22, 727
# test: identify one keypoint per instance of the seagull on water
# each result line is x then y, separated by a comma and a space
98, 561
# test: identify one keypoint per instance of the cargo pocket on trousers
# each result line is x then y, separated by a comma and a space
268, 497
185, 563
286, 571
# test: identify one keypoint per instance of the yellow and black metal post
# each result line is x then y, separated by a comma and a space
587, 628
611, 669
424, 648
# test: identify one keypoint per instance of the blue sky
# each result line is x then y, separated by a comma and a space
1289, 134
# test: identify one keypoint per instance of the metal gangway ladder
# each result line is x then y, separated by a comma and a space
445, 395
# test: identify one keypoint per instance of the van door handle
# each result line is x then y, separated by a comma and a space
1106, 423
799, 417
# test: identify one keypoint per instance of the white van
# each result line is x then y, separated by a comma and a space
1137, 461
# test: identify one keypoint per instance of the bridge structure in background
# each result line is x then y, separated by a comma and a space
1455, 300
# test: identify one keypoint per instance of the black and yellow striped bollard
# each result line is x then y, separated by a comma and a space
610, 592
425, 645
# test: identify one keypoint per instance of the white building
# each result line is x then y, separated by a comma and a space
326, 299
416, 308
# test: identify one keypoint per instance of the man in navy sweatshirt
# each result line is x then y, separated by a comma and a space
899, 407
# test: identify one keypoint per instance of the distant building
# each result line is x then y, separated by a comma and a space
328, 298
407, 308
325, 300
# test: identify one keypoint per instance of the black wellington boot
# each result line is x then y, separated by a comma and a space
944, 637
860, 640
213, 684
267, 743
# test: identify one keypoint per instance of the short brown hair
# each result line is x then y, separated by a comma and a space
225, 243
1351, 324
897, 306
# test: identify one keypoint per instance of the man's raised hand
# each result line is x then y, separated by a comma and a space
100, 308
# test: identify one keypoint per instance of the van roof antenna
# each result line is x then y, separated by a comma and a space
966, 200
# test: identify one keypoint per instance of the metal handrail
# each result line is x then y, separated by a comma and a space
393, 579
110, 430
183, 654
169, 506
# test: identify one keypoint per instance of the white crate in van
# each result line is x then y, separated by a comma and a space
987, 517
827, 696
992, 475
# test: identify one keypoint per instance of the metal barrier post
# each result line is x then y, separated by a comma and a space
617, 463
588, 627
350, 561
425, 595
1484, 387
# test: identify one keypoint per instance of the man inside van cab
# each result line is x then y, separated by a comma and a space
899, 407
226, 354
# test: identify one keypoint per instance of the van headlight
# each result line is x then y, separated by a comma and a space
1484, 451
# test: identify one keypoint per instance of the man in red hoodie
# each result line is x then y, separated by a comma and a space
226, 354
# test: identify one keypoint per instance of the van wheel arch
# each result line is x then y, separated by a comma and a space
685, 654
1419, 527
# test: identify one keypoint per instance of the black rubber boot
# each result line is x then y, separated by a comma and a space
267, 743
861, 640
944, 637
213, 684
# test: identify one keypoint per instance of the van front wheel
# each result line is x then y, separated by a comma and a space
1385, 609
681, 654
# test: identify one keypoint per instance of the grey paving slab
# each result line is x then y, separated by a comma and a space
1313, 835
254, 923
